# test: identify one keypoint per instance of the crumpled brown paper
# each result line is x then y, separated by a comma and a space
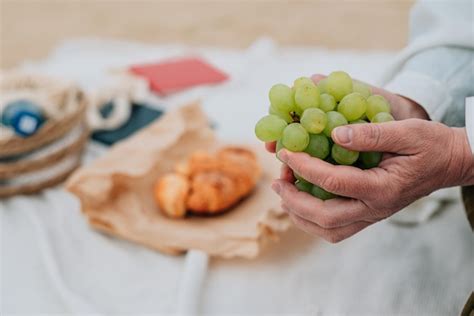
116, 193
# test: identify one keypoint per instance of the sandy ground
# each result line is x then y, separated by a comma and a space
29, 29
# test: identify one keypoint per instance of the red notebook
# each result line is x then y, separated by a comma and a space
178, 74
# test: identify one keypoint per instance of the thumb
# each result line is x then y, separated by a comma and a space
317, 78
402, 137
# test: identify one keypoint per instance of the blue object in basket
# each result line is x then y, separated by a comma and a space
23, 116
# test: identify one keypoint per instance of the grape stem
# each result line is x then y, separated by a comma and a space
295, 117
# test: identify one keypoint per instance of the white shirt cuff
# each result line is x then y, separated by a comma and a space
470, 121
431, 94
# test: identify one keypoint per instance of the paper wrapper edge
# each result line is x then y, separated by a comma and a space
115, 193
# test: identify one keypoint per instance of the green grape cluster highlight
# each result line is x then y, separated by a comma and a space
302, 117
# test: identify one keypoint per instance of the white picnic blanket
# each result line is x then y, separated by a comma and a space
53, 262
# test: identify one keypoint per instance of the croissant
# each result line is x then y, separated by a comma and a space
171, 192
208, 183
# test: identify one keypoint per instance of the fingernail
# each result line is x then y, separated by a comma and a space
282, 155
343, 135
276, 187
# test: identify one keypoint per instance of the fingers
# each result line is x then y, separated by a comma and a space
333, 235
271, 147
317, 78
341, 180
326, 214
401, 137
286, 174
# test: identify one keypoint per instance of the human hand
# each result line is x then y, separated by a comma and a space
423, 156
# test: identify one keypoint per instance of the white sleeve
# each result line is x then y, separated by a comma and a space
436, 79
424, 90
434, 24
470, 121
437, 69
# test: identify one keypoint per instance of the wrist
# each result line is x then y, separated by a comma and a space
462, 161
412, 109
423, 89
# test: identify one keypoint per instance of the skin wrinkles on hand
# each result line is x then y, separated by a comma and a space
423, 156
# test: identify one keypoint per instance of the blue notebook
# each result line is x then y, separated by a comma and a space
140, 117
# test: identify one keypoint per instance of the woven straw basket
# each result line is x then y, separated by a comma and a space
28, 165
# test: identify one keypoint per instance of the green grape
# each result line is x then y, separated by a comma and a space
314, 120
318, 146
376, 104
307, 96
299, 112
284, 115
362, 88
281, 98
322, 194
304, 186
359, 121
382, 117
370, 159
343, 156
295, 137
322, 85
352, 106
301, 81
338, 84
335, 119
270, 128
278, 147
327, 102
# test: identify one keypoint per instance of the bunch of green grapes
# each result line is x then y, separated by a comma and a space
301, 119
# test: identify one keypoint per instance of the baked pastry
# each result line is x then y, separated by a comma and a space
171, 192
208, 183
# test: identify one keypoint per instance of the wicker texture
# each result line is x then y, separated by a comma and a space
11, 169
27, 165
50, 131
31, 188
